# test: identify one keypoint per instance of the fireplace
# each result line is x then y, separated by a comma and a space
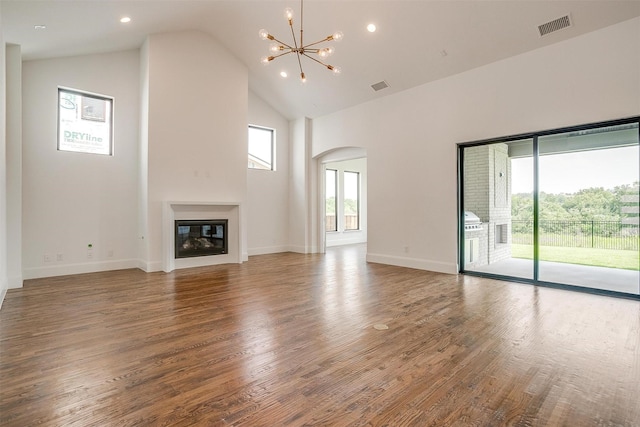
226, 214
195, 238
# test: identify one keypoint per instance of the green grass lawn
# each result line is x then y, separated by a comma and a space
627, 260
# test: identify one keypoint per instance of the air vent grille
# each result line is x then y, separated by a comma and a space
555, 25
380, 85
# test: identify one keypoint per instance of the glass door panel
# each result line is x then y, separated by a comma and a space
498, 209
588, 208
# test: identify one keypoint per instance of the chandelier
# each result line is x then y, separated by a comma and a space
280, 48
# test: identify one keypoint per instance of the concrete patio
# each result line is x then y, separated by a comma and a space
610, 279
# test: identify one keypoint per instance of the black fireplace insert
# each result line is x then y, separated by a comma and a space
201, 237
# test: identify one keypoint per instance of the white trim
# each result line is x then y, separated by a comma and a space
89, 267
303, 249
3, 293
268, 250
420, 264
357, 237
15, 282
149, 267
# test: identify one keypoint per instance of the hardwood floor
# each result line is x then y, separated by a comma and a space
288, 340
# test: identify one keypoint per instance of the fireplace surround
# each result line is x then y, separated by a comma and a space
201, 211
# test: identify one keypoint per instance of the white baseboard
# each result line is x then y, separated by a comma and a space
420, 264
15, 282
342, 242
89, 267
149, 267
204, 261
297, 249
3, 293
302, 249
268, 250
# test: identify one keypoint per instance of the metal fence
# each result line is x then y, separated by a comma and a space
578, 234
350, 222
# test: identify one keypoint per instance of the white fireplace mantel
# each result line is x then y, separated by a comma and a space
182, 210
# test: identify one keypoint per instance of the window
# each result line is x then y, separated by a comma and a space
331, 184
351, 200
85, 122
261, 148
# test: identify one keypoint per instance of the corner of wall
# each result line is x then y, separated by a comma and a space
3, 170
13, 135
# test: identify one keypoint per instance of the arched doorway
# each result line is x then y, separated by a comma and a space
342, 204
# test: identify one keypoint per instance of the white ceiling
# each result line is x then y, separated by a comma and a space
417, 41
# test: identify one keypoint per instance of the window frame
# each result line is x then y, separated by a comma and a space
272, 162
109, 120
535, 138
335, 195
344, 197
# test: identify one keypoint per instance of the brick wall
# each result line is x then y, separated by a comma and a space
487, 193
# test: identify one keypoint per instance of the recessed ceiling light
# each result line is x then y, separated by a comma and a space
40, 27
371, 28
283, 74
125, 19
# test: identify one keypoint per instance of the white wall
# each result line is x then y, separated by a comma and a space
299, 152
342, 237
197, 129
411, 136
14, 165
3, 186
143, 160
73, 199
268, 191
305, 225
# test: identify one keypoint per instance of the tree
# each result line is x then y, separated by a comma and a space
330, 205
590, 204
522, 207
594, 204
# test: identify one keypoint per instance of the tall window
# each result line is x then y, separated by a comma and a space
351, 200
85, 122
331, 186
261, 148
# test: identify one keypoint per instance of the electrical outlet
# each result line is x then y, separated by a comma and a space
406, 249
110, 253
59, 257
47, 258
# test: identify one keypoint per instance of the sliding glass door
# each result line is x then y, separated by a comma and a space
588, 208
559, 208
498, 226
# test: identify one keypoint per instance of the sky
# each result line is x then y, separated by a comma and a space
570, 172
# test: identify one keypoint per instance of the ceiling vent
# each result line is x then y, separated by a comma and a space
380, 85
555, 25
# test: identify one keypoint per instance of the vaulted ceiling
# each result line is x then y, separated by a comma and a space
416, 41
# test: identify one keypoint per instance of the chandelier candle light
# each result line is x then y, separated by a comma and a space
280, 48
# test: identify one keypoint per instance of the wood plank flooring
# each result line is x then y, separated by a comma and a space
288, 340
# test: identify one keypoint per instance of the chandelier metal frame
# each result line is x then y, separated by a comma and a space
300, 49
